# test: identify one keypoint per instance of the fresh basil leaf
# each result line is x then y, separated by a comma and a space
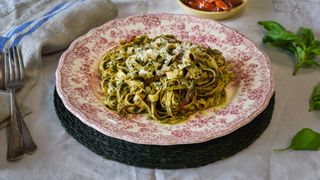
285, 45
282, 39
281, 36
314, 47
272, 26
315, 105
315, 98
305, 139
300, 59
278, 36
301, 54
303, 44
315, 44
310, 62
304, 59
277, 32
315, 51
306, 35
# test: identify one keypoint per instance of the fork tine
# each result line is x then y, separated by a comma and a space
16, 63
20, 63
6, 67
12, 70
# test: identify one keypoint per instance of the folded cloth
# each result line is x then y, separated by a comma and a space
45, 26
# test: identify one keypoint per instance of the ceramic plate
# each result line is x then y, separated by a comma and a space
78, 86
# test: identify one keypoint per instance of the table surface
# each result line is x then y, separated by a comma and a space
61, 157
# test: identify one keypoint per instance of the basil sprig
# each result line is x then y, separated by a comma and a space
303, 43
315, 98
305, 139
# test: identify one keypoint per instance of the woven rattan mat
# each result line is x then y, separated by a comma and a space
163, 157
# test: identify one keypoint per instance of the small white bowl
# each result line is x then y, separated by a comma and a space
213, 15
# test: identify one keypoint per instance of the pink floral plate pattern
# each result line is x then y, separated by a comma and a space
77, 83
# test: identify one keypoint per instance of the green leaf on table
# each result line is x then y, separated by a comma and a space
281, 39
315, 47
306, 35
304, 59
315, 98
305, 139
272, 26
316, 51
303, 43
277, 35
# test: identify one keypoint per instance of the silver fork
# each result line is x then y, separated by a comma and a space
20, 140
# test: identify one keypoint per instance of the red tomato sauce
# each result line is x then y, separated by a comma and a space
213, 5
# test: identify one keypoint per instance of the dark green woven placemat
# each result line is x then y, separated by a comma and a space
163, 157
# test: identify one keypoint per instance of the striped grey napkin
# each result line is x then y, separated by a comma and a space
45, 26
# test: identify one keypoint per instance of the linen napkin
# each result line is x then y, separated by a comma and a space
45, 26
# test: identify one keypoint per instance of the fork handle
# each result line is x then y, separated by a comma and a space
28, 146
15, 151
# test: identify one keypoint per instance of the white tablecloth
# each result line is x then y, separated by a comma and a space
61, 157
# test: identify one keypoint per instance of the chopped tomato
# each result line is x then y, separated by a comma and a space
211, 5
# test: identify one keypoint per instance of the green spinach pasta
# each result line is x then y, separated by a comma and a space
164, 77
